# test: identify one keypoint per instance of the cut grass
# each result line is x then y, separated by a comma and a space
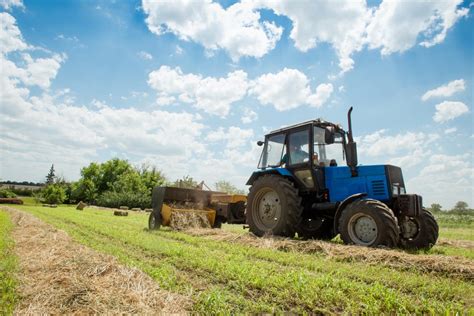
223, 276
8, 296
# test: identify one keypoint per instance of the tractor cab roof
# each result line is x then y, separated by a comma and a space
316, 122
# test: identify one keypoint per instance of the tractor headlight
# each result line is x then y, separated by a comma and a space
397, 189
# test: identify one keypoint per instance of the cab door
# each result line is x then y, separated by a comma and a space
299, 153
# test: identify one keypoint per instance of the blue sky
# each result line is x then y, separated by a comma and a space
190, 86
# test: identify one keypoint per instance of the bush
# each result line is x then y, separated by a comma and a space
130, 199
5, 193
22, 192
54, 194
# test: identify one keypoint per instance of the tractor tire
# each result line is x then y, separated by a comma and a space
273, 207
154, 221
419, 232
321, 229
369, 223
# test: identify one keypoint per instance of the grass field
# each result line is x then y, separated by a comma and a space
221, 275
7, 266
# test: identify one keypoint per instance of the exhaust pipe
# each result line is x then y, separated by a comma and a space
351, 147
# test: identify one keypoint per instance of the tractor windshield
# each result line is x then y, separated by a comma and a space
328, 154
273, 151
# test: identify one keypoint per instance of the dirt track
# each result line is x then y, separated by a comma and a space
59, 276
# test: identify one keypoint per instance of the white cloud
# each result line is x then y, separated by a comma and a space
179, 50
342, 25
234, 136
289, 89
396, 26
249, 116
210, 94
445, 179
10, 35
450, 130
380, 144
446, 90
449, 110
236, 29
9, 4
144, 55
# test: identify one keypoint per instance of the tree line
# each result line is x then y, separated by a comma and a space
116, 183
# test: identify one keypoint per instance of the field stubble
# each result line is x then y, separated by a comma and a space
228, 271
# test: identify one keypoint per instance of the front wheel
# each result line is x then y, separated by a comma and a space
273, 207
369, 223
419, 232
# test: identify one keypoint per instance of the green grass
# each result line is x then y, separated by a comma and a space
8, 296
224, 277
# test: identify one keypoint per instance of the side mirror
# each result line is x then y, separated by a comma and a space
260, 143
329, 135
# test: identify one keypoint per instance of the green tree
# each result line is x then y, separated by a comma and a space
151, 176
461, 206
186, 182
54, 194
229, 188
50, 177
435, 207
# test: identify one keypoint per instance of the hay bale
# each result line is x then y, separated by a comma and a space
188, 220
124, 208
81, 206
148, 210
10, 201
136, 209
120, 213
53, 205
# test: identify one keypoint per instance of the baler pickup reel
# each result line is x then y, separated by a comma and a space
186, 208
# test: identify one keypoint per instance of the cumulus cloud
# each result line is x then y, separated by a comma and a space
249, 116
449, 110
234, 136
289, 89
212, 95
428, 20
446, 177
9, 4
10, 35
381, 144
236, 29
348, 27
446, 90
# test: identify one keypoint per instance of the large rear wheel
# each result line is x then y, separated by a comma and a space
273, 207
419, 232
369, 223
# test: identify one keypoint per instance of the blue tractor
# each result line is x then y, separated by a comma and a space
309, 183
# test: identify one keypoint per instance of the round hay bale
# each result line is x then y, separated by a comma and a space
120, 213
124, 208
148, 210
80, 206
53, 205
136, 209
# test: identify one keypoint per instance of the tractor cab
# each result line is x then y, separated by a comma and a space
305, 150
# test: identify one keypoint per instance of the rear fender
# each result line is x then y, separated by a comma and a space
257, 174
343, 205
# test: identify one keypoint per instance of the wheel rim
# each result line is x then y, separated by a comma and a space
267, 206
362, 229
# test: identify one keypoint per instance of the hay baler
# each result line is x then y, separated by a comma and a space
216, 207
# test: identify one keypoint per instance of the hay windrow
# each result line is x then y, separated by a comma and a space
448, 266
59, 276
